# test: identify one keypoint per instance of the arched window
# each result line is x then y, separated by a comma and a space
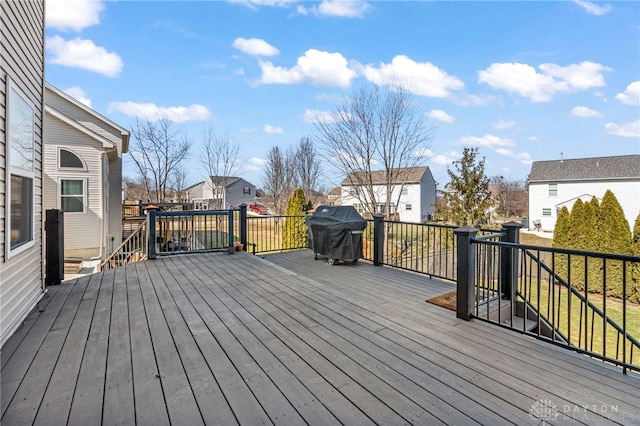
69, 160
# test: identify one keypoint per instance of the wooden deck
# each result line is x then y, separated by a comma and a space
223, 339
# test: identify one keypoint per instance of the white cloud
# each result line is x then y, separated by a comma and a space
627, 130
631, 95
523, 157
255, 47
526, 81
254, 4
342, 8
533, 138
583, 111
84, 54
73, 15
315, 116
504, 124
421, 78
152, 112
79, 94
440, 115
254, 164
317, 67
592, 8
490, 141
446, 158
273, 130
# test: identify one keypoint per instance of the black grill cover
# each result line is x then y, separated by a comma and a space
336, 231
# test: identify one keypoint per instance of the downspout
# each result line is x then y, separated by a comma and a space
102, 233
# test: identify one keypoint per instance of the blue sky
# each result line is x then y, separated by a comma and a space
523, 81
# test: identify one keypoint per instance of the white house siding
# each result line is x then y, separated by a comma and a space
82, 231
22, 63
626, 193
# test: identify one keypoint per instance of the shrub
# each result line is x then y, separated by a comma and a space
294, 229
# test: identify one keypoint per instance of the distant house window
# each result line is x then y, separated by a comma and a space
246, 190
405, 191
408, 207
553, 190
21, 170
72, 195
359, 208
69, 160
546, 212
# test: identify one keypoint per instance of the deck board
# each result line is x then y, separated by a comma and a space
224, 339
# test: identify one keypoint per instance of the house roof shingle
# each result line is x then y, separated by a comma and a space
586, 169
405, 175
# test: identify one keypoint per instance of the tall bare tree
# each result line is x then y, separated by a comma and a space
274, 184
220, 157
157, 151
307, 164
510, 196
377, 129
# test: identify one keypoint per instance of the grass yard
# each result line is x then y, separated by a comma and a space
584, 330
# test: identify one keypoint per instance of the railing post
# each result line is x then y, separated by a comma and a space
465, 270
230, 230
378, 239
151, 233
509, 260
243, 226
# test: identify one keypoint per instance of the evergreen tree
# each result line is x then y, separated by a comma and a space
575, 241
560, 240
467, 194
613, 236
294, 232
634, 291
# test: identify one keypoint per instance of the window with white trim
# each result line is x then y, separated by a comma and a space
246, 190
69, 160
408, 207
553, 189
21, 170
546, 212
72, 195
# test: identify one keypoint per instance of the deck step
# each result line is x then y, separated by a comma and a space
520, 323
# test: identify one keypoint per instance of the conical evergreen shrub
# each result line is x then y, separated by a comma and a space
634, 291
294, 229
560, 240
613, 236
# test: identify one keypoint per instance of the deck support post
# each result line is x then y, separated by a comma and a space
378, 239
151, 233
230, 231
509, 260
243, 226
465, 271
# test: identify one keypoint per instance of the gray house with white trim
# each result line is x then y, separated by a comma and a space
559, 183
221, 192
83, 174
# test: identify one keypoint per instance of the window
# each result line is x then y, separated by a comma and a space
405, 191
246, 190
408, 207
69, 160
553, 190
546, 212
21, 171
72, 195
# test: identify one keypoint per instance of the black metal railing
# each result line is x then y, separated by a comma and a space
577, 299
268, 234
190, 231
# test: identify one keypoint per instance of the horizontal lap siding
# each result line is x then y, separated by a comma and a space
81, 230
22, 62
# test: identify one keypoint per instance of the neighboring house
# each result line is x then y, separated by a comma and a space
21, 124
559, 183
220, 192
413, 195
333, 197
83, 174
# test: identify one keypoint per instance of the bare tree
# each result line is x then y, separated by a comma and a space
178, 183
307, 164
220, 158
379, 129
157, 151
274, 183
510, 196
